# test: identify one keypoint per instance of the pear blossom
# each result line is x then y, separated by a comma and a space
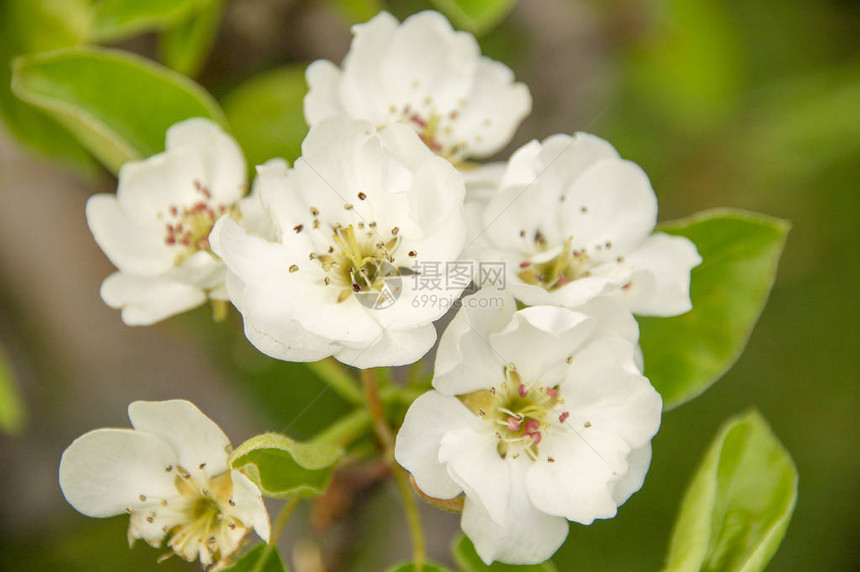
537, 416
571, 220
423, 74
170, 474
354, 217
155, 230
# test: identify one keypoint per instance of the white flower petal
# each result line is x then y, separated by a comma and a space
474, 463
612, 202
637, 466
146, 300
286, 340
201, 269
661, 284
575, 484
322, 101
391, 348
105, 471
147, 189
526, 536
494, 109
465, 360
418, 441
130, 246
539, 339
249, 505
224, 165
610, 394
200, 444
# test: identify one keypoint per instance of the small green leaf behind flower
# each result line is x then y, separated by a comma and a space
117, 104
266, 114
116, 19
284, 468
250, 561
467, 560
476, 16
184, 47
738, 505
685, 354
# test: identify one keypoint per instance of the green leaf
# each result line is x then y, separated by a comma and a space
739, 503
117, 104
355, 11
115, 19
467, 560
251, 561
30, 26
12, 412
476, 16
184, 47
266, 115
285, 468
684, 355
409, 567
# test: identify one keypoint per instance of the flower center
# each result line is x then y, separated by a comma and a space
560, 270
433, 128
520, 413
358, 264
198, 520
188, 227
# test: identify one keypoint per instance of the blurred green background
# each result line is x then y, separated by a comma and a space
753, 105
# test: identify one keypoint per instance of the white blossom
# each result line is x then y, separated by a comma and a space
571, 220
170, 474
356, 213
538, 416
155, 230
424, 74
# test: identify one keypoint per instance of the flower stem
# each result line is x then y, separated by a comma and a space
277, 529
374, 405
413, 517
337, 379
346, 430
386, 439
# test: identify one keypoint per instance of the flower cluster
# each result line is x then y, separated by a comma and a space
539, 412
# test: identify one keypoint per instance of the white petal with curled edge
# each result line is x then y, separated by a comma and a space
418, 441
391, 348
527, 535
668, 261
196, 439
249, 508
145, 300
539, 339
130, 246
474, 464
223, 161
637, 466
105, 471
286, 340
